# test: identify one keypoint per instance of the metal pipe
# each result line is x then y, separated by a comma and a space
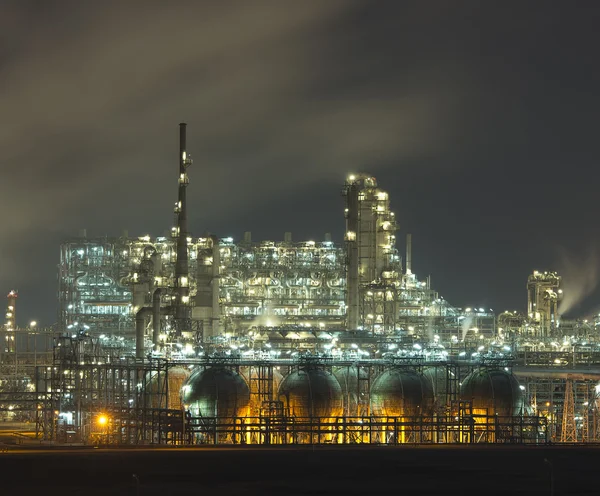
156, 317
140, 329
550, 372
409, 253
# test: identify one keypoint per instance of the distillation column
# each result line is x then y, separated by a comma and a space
372, 258
206, 308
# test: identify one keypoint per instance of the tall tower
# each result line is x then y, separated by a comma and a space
569, 425
11, 309
10, 324
180, 232
543, 295
206, 309
372, 258
351, 212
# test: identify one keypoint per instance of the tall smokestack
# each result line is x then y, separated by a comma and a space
409, 253
352, 262
182, 313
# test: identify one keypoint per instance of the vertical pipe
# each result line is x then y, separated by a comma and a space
181, 265
156, 317
352, 242
216, 310
409, 253
140, 328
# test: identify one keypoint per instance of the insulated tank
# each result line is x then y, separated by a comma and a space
354, 390
311, 392
493, 390
158, 390
401, 393
216, 392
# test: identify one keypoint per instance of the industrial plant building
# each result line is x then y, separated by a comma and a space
239, 287
210, 340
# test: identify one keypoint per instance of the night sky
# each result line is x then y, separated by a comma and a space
479, 118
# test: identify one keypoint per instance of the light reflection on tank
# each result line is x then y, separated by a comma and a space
216, 392
311, 392
400, 392
493, 391
354, 391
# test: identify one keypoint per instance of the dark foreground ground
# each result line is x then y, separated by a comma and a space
361, 471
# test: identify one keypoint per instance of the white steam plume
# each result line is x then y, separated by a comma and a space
465, 326
580, 277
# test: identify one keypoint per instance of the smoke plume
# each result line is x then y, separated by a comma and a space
465, 326
580, 277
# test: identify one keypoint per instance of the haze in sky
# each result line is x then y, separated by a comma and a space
479, 118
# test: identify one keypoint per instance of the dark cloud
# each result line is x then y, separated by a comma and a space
282, 100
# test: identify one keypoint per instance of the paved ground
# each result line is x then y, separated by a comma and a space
340, 471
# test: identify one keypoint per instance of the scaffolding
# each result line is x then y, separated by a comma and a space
93, 395
275, 428
568, 401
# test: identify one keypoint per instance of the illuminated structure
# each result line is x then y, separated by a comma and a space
543, 295
282, 342
11, 310
113, 285
224, 399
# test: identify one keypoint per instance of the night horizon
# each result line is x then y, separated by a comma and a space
296, 248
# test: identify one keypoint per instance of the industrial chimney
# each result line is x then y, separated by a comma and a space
409, 253
182, 291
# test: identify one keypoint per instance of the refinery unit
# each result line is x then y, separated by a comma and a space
206, 340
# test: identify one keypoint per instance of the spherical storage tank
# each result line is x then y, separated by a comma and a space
311, 392
216, 392
494, 390
401, 393
160, 388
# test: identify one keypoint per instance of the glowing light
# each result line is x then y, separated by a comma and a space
102, 420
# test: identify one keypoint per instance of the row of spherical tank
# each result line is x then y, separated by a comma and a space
316, 392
